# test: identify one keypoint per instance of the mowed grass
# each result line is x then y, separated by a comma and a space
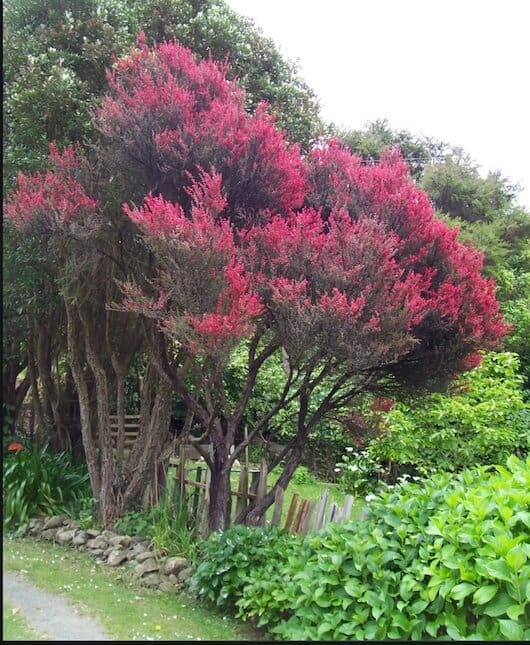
128, 611
15, 628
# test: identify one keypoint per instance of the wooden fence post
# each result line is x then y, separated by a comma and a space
321, 510
242, 489
348, 504
203, 516
306, 519
278, 504
262, 487
197, 491
291, 513
182, 470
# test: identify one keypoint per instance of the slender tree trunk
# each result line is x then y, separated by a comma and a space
107, 499
13, 395
83, 392
40, 421
120, 413
252, 515
152, 442
219, 480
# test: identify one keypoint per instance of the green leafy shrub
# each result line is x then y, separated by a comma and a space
480, 421
231, 558
135, 522
445, 559
358, 471
37, 481
303, 476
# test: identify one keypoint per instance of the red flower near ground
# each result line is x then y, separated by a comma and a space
15, 446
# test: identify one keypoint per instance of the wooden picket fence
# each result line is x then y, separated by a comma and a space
303, 515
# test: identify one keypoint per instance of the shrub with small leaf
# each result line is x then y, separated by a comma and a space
37, 481
482, 419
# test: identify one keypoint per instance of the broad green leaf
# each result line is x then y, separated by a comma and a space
514, 611
484, 594
494, 569
324, 628
511, 629
462, 590
515, 558
498, 605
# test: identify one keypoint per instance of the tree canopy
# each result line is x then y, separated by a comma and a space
228, 233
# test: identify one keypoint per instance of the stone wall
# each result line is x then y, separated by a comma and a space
107, 547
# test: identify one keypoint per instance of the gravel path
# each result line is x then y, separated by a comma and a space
49, 613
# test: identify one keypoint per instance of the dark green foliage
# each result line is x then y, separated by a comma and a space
445, 559
378, 135
135, 522
37, 481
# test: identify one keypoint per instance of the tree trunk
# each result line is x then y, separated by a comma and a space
83, 393
13, 394
219, 497
253, 514
40, 420
149, 449
219, 481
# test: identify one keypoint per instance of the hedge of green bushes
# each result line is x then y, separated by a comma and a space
446, 558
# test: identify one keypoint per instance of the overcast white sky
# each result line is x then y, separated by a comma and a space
456, 70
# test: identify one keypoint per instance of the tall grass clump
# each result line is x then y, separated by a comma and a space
37, 481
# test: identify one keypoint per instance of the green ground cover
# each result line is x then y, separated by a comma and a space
127, 611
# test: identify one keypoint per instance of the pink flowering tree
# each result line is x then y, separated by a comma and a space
370, 295
225, 237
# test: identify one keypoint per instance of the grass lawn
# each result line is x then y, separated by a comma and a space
127, 611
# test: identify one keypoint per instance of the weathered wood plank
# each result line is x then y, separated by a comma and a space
321, 510
302, 513
348, 505
262, 487
304, 527
291, 513
278, 505
242, 491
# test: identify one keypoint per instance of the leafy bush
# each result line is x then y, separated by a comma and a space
231, 558
448, 558
358, 472
135, 522
444, 559
480, 421
37, 481
303, 476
